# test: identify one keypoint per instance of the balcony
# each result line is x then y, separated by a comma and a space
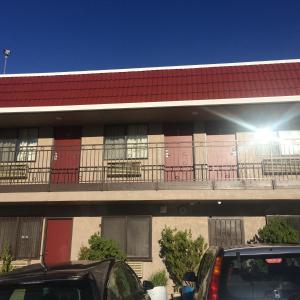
148, 166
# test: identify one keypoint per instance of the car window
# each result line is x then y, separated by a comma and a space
133, 280
121, 284
79, 290
260, 277
204, 271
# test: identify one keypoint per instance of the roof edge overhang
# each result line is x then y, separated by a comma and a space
148, 105
250, 63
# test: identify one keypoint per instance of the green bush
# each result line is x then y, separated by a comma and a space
180, 253
101, 248
159, 278
6, 258
276, 231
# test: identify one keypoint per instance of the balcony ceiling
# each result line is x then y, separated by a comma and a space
251, 113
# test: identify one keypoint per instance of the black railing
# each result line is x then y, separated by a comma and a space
157, 162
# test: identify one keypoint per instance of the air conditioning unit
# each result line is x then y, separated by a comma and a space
13, 171
124, 169
281, 166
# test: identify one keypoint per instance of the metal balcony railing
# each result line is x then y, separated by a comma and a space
151, 162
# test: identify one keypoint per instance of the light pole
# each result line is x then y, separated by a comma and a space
6, 53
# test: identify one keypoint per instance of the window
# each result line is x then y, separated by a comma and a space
226, 231
132, 233
267, 145
294, 221
204, 271
22, 235
260, 276
122, 283
18, 144
48, 290
126, 142
289, 142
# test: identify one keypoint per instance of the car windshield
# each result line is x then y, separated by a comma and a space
66, 290
260, 277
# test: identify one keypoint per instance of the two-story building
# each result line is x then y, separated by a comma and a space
211, 148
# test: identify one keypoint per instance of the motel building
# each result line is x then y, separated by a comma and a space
211, 148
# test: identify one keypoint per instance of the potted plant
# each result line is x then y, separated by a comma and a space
159, 280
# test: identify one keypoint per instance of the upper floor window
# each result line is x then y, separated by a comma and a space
289, 142
282, 143
18, 144
126, 142
266, 143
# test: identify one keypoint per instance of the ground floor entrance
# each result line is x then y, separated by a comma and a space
58, 241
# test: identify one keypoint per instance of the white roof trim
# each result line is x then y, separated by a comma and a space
140, 105
268, 62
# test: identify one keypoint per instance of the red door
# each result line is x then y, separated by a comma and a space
179, 163
221, 157
66, 155
58, 241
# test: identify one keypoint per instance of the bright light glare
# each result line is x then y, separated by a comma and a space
264, 135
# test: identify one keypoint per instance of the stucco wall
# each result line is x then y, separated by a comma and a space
251, 226
198, 225
83, 228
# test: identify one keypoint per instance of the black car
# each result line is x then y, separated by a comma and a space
248, 273
106, 280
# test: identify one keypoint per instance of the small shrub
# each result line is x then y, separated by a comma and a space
101, 248
6, 258
180, 253
159, 278
277, 231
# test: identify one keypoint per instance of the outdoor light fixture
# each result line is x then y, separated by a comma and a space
219, 202
6, 53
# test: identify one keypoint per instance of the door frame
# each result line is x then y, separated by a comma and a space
53, 154
193, 171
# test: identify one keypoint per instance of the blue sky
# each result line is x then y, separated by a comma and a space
63, 35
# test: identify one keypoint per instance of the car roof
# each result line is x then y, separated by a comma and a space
68, 271
262, 250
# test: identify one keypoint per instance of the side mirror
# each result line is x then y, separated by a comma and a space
190, 276
148, 285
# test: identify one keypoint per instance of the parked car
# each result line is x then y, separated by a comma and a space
106, 280
252, 272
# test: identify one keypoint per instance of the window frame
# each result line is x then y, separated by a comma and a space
131, 258
126, 136
283, 143
214, 239
15, 238
17, 142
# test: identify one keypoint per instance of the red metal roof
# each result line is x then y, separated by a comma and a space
203, 83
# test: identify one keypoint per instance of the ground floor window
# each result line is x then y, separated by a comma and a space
22, 235
226, 231
132, 233
294, 221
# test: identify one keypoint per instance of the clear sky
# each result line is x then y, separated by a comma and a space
67, 35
